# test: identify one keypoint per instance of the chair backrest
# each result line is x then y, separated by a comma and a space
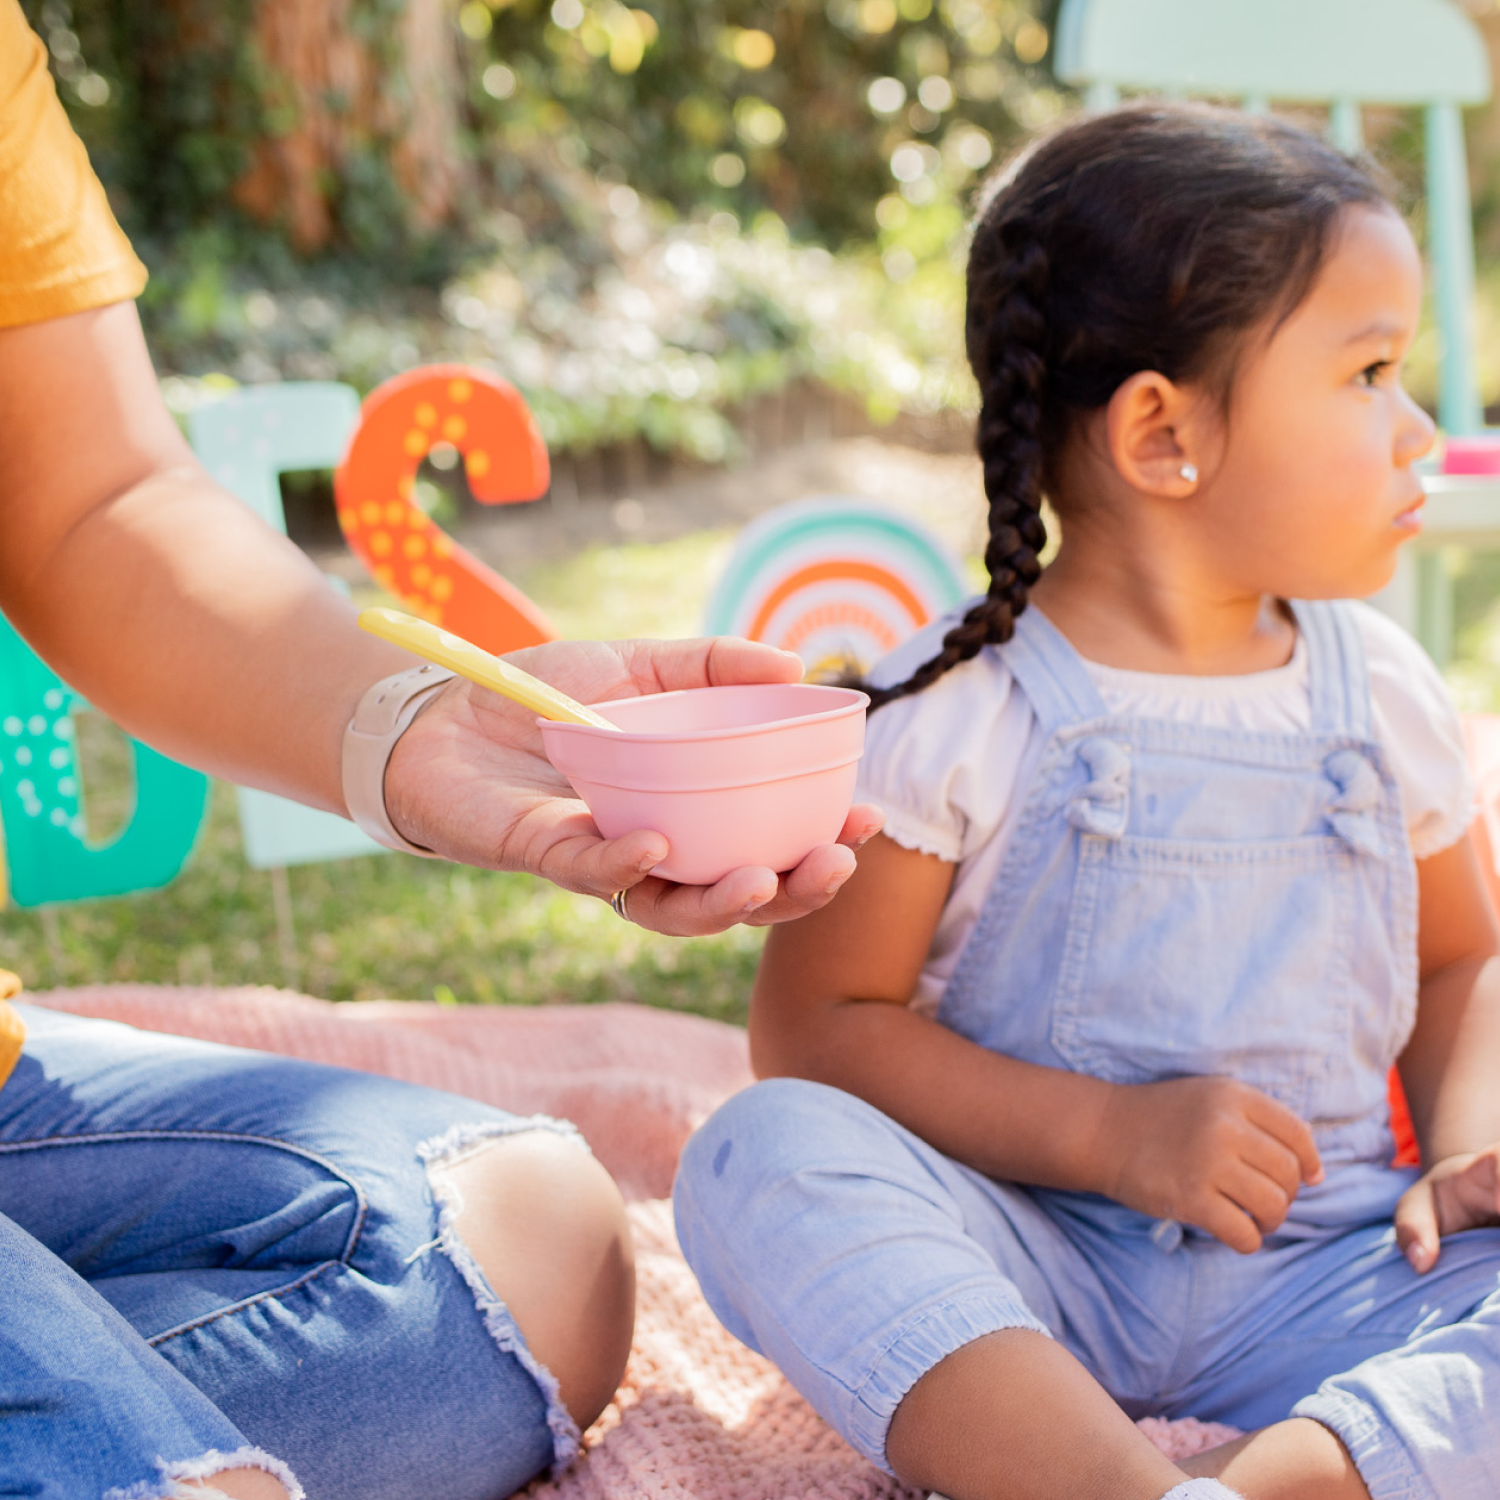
247, 441
1343, 53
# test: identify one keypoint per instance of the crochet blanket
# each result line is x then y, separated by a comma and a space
698, 1416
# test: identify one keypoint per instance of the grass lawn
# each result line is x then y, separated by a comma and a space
392, 925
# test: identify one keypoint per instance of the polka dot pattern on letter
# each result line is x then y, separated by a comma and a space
405, 551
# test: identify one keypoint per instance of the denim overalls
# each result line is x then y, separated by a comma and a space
1174, 900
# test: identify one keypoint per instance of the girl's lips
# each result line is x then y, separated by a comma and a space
1410, 519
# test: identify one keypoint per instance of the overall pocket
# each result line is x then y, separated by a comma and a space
1202, 957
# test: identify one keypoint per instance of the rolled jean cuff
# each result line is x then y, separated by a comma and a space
447, 1148
1377, 1452
919, 1345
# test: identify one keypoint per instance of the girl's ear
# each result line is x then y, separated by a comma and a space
1153, 432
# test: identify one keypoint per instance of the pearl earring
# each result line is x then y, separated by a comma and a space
1189, 472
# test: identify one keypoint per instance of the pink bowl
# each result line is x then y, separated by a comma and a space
730, 776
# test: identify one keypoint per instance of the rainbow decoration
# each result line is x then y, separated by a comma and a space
837, 579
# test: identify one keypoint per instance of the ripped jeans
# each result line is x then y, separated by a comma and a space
212, 1258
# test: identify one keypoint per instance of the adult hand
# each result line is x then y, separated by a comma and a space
1208, 1151
470, 781
1459, 1192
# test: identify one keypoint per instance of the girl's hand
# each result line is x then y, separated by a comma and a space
470, 781
1207, 1151
1459, 1192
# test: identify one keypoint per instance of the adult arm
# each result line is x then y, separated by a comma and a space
202, 631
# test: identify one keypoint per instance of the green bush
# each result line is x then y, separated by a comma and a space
670, 208
797, 107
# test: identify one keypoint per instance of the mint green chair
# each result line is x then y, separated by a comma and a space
1342, 53
247, 441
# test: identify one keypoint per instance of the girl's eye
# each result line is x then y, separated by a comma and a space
1372, 374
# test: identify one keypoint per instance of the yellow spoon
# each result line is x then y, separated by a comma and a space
461, 656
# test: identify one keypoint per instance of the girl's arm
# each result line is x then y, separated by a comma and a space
830, 1005
1451, 1066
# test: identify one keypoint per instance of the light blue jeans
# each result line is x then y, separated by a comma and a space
857, 1257
208, 1252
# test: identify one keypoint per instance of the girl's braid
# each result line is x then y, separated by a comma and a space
1006, 333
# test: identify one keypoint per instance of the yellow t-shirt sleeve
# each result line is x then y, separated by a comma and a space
12, 1028
60, 252
60, 249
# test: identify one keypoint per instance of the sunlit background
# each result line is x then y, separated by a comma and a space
718, 246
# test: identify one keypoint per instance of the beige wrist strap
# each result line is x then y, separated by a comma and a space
383, 716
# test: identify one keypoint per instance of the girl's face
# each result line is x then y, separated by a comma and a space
1313, 490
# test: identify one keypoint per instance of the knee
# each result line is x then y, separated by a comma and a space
234, 1484
767, 1133
547, 1226
755, 1162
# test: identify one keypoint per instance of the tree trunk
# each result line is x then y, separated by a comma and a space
331, 94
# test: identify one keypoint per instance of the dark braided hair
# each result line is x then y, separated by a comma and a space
1154, 237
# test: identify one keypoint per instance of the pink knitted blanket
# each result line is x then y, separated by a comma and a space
698, 1416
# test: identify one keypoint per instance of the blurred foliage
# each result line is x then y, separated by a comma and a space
668, 209
800, 107
662, 344
804, 107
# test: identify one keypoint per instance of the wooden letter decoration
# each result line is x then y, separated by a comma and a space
405, 551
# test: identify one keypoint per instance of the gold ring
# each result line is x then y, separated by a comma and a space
617, 902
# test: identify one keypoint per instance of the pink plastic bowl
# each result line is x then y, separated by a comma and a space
730, 776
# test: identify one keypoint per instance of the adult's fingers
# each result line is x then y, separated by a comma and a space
814, 883
751, 895
593, 866
698, 910
865, 820
1270, 1114
713, 661
599, 867
1417, 1226
821, 875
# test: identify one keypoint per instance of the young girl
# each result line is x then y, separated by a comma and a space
1082, 1108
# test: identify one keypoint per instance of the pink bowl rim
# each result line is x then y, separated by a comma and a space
680, 788
855, 702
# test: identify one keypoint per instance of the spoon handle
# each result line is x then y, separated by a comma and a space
461, 656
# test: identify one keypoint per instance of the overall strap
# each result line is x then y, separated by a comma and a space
1337, 677
1050, 672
